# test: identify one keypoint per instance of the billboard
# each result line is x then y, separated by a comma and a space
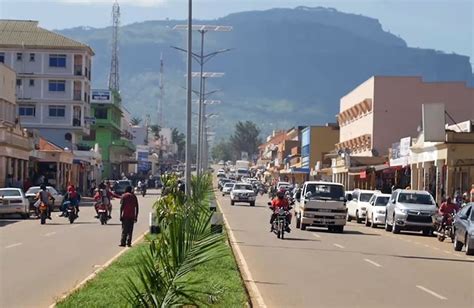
101, 96
434, 122
143, 164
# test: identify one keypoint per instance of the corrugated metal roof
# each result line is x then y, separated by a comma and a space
27, 34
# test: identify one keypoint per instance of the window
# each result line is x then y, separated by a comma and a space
57, 85
32, 82
19, 56
32, 57
18, 82
57, 60
2, 57
57, 111
100, 113
27, 110
91, 136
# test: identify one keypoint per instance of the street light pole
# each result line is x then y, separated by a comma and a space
200, 112
188, 101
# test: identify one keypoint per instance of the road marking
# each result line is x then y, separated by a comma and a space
339, 246
75, 226
13, 245
428, 246
316, 235
373, 263
243, 264
436, 248
50, 233
432, 292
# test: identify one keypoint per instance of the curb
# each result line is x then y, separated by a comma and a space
256, 299
97, 271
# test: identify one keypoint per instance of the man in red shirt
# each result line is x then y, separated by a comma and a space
280, 202
128, 215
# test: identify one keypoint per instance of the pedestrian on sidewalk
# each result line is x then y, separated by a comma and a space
128, 215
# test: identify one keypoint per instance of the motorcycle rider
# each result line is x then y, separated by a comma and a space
44, 196
104, 196
72, 196
447, 208
280, 202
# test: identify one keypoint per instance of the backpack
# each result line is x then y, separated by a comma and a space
104, 197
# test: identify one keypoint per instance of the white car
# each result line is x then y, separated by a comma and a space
242, 192
357, 206
284, 185
14, 201
227, 188
376, 210
32, 191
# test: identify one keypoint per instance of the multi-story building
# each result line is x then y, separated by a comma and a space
53, 80
15, 146
113, 139
382, 110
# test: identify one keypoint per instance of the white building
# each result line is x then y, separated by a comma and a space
53, 79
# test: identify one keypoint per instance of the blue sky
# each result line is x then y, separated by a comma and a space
446, 25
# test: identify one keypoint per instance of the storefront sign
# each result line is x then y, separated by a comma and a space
405, 144
101, 96
363, 174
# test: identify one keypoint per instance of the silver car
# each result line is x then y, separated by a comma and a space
464, 229
14, 201
227, 188
410, 210
31, 195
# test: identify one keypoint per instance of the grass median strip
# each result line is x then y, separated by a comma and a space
106, 288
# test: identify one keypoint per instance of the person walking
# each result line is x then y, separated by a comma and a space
128, 216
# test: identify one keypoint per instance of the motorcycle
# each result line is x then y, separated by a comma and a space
103, 215
71, 211
43, 212
280, 223
143, 189
444, 229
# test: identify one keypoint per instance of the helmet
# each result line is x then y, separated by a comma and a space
43, 187
281, 193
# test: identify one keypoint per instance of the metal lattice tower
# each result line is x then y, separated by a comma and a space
114, 77
161, 95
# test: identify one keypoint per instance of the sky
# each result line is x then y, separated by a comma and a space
446, 25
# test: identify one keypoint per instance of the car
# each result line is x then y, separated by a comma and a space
283, 185
221, 175
120, 186
221, 163
32, 191
410, 210
376, 210
242, 192
464, 229
348, 194
14, 201
222, 181
227, 188
358, 204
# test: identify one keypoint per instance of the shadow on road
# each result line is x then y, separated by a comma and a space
348, 232
432, 258
301, 239
9, 221
266, 282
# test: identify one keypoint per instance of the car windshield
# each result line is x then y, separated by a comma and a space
229, 184
365, 197
242, 187
415, 198
35, 190
325, 191
381, 201
10, 193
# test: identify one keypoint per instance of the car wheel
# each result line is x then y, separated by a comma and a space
395, 228
349, 218
469, 249
298, 222
339, 229
427, 232
358, 219
367, 222
388, 227
25, 215
331, 229
252, 203
303, 226
232, 202
457, 244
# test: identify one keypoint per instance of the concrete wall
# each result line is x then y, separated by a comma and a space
323, 139
7, 94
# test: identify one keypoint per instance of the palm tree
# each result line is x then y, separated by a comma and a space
155, 129
135, 121
186, 242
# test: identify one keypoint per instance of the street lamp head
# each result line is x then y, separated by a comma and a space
204, 28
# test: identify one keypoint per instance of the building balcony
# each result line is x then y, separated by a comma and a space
77, 96
15, 138
107, 123
124, 144
78, 70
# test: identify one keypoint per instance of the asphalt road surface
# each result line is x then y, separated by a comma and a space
39, 263
362, 267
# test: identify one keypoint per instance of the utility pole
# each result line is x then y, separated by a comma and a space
161, 95
114, 77
188, 101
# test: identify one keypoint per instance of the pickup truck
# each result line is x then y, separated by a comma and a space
321, 204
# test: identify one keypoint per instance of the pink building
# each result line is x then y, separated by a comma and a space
382, 110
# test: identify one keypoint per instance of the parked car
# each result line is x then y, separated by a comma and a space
242, 192
410, 210
221, 175
32, 191
464, 229
120, 186
283, 185
14, 201
376, 210
358, 204
227, 188
348, 195
222, 182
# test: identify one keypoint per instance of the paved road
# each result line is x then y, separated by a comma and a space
39, 263
362, 267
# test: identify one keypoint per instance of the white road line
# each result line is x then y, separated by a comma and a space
428, 246
373, 263
432, 292
316, 235
75, 226
339, 246
50, 233
13, 245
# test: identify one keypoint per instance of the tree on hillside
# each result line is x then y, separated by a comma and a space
245, 138
135, 121
180, 140
223, 151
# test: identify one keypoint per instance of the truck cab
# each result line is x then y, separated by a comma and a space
321, 204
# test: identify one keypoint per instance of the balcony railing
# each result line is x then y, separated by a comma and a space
77, 95
78, 70
76, 122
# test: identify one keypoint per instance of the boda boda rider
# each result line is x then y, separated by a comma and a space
280, 202
104, 196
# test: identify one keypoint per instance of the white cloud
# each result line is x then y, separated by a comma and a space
143, 3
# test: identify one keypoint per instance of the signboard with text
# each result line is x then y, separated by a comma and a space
101, 96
